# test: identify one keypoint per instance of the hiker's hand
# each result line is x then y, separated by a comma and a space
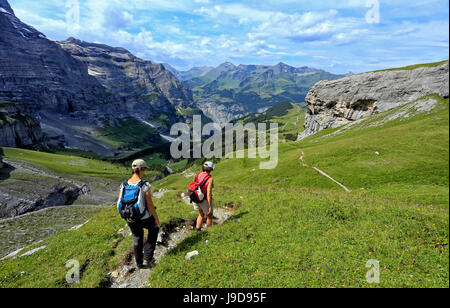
210, 211
156, 222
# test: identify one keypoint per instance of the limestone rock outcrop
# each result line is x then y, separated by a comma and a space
16, 128
60, 195
331, 104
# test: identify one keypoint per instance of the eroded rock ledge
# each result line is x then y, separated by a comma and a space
17, 129
331, 104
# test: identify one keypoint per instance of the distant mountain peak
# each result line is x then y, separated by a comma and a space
171, 69
73, 41
229, 92
281, 64
283, 68
227, 64
5, 7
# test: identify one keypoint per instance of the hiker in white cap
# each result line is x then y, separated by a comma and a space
136, 207
206, 207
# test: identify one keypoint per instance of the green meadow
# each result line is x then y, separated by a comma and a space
295, 228
415, 66
292, 227
68, 166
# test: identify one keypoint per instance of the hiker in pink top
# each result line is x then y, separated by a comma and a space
206, 207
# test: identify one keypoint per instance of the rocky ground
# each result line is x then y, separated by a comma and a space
22, 231
75, 133
36, 203
27, 185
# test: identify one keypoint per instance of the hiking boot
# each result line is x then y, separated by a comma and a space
140, 266
149, 263
198, 229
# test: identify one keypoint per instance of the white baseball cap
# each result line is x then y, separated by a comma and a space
139, 163
209, 165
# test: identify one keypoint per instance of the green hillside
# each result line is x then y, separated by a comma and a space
228, 91
293, 227
415, 66
259, 84
290, 118
64, 165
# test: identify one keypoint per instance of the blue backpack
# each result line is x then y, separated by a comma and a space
128, 205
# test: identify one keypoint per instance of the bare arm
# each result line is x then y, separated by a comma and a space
209, 194
120, 193
151, 207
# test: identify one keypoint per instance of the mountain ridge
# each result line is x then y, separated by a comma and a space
5, 5
73, 88
229, 91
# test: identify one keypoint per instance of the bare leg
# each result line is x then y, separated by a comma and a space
209, 220
200, 218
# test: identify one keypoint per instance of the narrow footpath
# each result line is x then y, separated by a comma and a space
321, 172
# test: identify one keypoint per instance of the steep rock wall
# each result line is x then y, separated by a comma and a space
331, 104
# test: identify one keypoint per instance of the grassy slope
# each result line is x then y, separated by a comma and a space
258, 88
413, 162
68, 165
293, 227
290, 118
129, 133
97, 246
415, 66
290, 233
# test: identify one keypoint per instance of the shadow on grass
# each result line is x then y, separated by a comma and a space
187, 243
190, 241
238, 216
5, 172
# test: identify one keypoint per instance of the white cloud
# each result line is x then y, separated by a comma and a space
50, 27
202, 32
310, 26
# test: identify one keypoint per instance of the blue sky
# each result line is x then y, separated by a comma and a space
337, 36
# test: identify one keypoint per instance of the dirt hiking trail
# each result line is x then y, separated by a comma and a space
171, 235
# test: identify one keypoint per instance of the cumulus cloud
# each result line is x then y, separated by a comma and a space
324, 34
299, 27
117, 18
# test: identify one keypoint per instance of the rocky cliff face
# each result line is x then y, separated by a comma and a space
331, 104
1, 158
146, 89
39, 74
46, 82
74, 88
17, 129
4, 6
